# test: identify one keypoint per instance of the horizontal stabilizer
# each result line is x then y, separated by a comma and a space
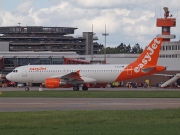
148, 69
177, 76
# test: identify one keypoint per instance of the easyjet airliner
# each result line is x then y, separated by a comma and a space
55, 76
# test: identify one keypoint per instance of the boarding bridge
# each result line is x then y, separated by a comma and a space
177, 76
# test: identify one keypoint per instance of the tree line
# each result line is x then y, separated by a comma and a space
122, 48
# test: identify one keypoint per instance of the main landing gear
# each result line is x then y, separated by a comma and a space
84, 88
76, 88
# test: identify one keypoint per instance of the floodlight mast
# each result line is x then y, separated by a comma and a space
92, 44
105, 34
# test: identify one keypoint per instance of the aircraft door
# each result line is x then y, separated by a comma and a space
24, 72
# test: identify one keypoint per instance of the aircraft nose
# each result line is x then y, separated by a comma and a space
9, 76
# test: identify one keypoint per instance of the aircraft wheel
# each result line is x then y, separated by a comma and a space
84, 88
26, 88
76, 88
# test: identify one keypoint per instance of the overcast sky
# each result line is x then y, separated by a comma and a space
127, 21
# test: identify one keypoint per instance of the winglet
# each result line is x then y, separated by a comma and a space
78, 71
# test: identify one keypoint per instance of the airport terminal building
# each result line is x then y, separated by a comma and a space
55, 39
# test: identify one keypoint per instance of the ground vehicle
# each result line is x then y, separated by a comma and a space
10, 84
20, 85
97, 85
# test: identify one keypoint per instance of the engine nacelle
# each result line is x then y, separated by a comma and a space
54, 83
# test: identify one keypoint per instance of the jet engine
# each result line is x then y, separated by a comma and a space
54, 83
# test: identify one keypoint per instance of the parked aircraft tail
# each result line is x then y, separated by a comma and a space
146, 63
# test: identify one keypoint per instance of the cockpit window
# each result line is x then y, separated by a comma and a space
15, 71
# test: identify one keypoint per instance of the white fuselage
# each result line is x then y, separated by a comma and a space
39, 73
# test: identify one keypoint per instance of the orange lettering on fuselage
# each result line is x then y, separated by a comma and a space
40, 68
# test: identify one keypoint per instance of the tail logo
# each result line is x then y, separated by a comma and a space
148, 57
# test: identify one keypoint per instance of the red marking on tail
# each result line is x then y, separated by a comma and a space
147, 60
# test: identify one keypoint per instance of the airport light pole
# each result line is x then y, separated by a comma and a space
92, 45
105, 34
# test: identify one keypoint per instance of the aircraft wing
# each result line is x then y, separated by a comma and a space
73, 75
70, 76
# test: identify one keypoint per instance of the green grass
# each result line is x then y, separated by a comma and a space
139, 122
93, 94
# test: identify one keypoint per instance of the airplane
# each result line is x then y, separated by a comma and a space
55, 76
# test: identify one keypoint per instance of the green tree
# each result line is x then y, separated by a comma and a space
137, 49
122, 48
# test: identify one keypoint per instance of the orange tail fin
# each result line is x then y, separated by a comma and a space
150, 55
145, 63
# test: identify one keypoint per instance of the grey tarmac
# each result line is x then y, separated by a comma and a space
44, 104
93, 89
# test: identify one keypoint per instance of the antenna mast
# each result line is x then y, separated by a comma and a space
105, 34
92, 45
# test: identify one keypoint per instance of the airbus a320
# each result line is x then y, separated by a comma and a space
55, 76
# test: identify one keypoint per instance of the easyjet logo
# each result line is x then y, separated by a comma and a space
148, 57
40, 68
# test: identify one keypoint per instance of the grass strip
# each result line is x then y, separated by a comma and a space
146, 122
93, 94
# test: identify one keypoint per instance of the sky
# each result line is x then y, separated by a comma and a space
127, 21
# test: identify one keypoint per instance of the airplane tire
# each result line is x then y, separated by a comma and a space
76, 88
84, 88
26, 88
